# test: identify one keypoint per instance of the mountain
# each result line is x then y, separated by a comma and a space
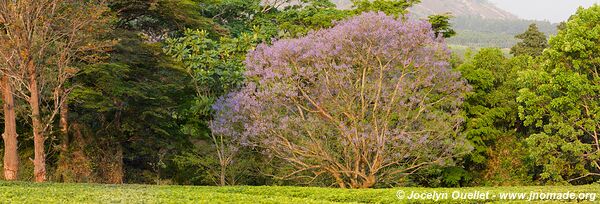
471, 8
478, 23
466, 8
343, 4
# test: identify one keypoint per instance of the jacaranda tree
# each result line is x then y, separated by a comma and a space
367, 102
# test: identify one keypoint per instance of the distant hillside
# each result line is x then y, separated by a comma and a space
343, 4
512, 26
478, 23
478, 32
473, 8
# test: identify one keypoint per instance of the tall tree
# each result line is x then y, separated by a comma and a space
441, 25
157, 19
84, 40
11, 155
7, 63
490, 104
130, 109
492, 116
305, 103
533, 42
390, 7
28, 32
36, 30
216, 68
561, 101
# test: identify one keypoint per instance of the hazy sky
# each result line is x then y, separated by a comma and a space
552, 10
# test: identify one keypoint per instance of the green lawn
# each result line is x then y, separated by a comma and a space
95, 193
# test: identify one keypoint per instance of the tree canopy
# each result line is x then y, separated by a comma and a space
561, 101
294, 92
316, 102
533, 42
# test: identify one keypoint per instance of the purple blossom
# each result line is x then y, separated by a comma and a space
371, 85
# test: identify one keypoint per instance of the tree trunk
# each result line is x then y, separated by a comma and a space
64, 133
369, 182
64, 159
222, 176
11, 156
39, 162
338, 179
64, 125
116, 172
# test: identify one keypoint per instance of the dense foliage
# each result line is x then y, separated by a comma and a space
285, 92
479, 32
492, 124
364, 102
511, 27
441, 25
476, 39
533, 42
561, 102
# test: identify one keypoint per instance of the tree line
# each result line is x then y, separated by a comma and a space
280, 93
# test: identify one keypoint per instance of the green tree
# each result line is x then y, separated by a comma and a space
489, 104
441, 25
298, 20
390, 7
126, 112
533, 42
236, 16
562, 102
157, 19
492, 119
216, 68
43, 42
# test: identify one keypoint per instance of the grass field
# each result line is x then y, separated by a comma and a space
95, 193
